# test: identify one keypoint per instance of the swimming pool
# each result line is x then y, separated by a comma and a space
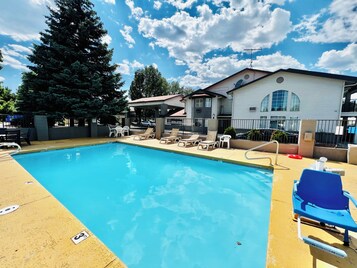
158, 209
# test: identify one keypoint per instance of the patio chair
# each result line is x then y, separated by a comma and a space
193, 140
26, 137
119, 131
209, 142
319, 196
173, 136
149, 133
111, 130
126, 129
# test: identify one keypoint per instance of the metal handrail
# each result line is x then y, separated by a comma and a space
11, 144
264, 157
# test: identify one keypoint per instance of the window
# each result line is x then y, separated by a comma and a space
294, 103
277, 122
280, 100
208, 102
199, 102
264, 106
263, 122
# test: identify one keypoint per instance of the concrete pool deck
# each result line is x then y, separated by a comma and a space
39, 233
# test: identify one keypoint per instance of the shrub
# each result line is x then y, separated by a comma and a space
254, 135
279, 136
230, 131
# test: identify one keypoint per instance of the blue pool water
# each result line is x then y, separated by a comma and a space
160, 209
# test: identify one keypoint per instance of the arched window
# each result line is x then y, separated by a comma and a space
280, 100
264, 106
294, 103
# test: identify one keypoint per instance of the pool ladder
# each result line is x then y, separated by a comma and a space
8, 145
265, 157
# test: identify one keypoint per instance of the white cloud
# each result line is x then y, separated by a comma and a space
188, 38
107, 39
136, 12
126, 34
181, 4
337, 23
23, 20
126, 67
20, 48
157, 5
337, 61
2, 79
12, 54
110, 2
136, 65
214, 69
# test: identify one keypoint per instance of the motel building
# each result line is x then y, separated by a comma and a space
283, 97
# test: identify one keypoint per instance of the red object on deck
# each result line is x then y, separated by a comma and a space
295, 156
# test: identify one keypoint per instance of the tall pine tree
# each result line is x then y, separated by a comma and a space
71, 75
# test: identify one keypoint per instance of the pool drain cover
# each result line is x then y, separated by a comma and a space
8, 210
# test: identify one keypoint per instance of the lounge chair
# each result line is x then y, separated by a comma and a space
149, 133
193, 140
209, 142
173, 136
126, 129
319, 196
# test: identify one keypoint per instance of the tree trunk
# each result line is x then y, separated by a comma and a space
71, 122
81, 122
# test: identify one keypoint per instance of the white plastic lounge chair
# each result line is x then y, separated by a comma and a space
173, 136
209, 142
193, 140
126, 129
149, 133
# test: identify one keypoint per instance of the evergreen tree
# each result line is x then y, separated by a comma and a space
71, 75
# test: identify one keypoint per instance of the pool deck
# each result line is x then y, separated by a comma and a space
39, 233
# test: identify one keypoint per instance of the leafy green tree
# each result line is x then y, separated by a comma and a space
175, 88
147, 82
7, 100
71, 75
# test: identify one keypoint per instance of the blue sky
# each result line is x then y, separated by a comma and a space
198, 42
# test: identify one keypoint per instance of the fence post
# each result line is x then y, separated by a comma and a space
212, 125
306, 142
93, 127
41, 127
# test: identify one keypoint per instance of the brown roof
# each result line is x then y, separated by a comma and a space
180, 113
156, 98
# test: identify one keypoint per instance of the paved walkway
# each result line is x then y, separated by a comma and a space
39, 232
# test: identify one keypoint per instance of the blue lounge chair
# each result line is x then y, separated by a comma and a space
319, 196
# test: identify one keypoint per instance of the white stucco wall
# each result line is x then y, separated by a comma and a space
228, 84
188, 107
320, 98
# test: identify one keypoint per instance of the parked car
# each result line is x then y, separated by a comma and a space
148, 123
